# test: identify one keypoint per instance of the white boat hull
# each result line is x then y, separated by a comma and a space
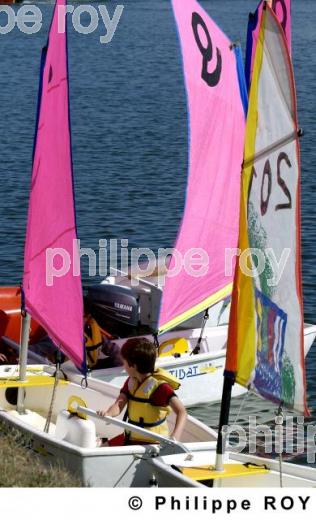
122, 466
166, 471
128, 466
201, 375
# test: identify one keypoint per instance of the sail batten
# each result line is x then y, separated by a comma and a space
212, 71
265, 341
51, 279
271, 148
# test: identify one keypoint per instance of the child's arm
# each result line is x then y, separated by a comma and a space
116, 407
181, 416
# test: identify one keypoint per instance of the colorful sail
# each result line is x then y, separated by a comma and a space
216, 124
54, 301
282, 9
265, 343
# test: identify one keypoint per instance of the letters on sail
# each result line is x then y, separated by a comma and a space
265, 345
216, 127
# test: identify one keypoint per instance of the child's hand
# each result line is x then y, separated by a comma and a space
102, 413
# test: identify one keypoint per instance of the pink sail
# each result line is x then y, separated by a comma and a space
217, 124
51, 249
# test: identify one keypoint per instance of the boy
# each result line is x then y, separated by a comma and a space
148, 395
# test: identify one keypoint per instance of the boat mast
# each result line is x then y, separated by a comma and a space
24, 343
223, 420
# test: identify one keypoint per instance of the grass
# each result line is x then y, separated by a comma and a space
22, 467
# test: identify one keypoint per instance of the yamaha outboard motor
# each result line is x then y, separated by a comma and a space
117, 309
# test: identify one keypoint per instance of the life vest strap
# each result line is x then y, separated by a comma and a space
93, 347
143, 424
138, 399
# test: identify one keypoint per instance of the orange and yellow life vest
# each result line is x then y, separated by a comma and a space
140, 410
93, 341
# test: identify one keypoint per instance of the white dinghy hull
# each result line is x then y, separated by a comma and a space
73, 441
201, 375
166, 471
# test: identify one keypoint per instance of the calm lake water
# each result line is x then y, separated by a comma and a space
129, 131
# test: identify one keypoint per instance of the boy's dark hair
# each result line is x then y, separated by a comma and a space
140, 352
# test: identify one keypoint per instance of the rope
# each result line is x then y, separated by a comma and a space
51, 406
84, 382
279, 422
197, 347
226, 303
23, 310
242, 404
244, 399
156, 342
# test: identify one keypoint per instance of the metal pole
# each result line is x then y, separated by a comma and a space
25, 333
133, 428
223, 421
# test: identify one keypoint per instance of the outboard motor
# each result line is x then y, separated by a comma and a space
116, 308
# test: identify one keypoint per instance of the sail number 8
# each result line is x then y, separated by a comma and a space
210, 78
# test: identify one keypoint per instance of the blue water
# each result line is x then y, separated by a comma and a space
129, 131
